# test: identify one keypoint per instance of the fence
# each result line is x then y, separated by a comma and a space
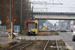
3, 31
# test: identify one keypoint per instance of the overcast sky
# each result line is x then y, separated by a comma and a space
53, 21
68, 6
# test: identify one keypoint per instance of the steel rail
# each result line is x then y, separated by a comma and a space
27, 45
57, 45
46, 45
15, 45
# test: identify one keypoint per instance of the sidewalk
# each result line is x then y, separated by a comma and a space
5, 40
40, 37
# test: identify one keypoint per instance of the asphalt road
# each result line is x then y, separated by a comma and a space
68, 38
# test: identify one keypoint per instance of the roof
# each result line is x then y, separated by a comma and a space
31, 21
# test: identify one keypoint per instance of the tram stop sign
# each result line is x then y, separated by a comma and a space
17, 28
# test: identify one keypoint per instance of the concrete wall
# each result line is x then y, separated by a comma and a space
54, 17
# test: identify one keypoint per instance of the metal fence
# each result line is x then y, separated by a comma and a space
0, 31
3, 31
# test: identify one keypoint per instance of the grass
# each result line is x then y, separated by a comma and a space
54, 33
38, 46
47, 33
62, 44
66, 49
4, 46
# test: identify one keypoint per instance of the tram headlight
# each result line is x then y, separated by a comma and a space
29, 30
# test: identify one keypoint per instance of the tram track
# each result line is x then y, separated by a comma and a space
57, 45
46, 45
21, 46
31, 43
37, 45
15, 45
53, 44
25, 44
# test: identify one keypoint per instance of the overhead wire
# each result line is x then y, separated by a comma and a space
59, 2
45, 3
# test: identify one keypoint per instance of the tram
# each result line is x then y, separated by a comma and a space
31, 27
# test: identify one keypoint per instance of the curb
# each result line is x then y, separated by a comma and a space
68, 46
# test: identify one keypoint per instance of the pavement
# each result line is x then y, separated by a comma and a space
40, 37
5, 40
67, 37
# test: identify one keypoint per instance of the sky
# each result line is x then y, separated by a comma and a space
67, 6
53, 21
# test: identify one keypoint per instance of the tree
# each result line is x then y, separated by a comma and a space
4, 11
26, 12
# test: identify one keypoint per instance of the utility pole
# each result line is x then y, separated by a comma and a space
12, 17
9, 14
21, 19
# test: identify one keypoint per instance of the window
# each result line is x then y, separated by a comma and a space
32, 26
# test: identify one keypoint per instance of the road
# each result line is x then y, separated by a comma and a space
68, 38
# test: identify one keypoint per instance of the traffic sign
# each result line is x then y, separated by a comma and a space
16, 27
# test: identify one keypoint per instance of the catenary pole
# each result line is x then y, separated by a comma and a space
9, 14
21, 19
12, 17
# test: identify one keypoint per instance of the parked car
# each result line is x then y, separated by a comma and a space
73, 34
63, 30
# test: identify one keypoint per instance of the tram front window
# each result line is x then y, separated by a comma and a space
31, 26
